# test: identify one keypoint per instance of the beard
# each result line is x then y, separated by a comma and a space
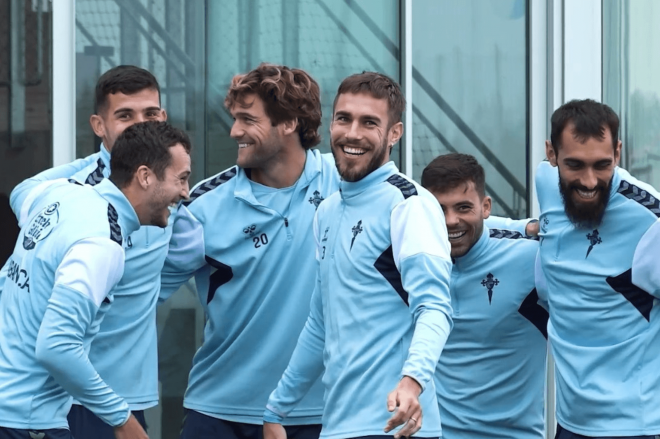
355, 173
585, 215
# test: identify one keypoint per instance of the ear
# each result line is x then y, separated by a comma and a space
164, 113
97, 125
617, 154
395, 133
486, 206
144, 177
289, 127
550, 153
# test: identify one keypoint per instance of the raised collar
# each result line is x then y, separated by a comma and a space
475, 253
127, 217
243, 189
352, 189
105, 155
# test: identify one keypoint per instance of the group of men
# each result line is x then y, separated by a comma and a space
342, 298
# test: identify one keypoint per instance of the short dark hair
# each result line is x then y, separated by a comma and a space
589, 119
146, 143
123, 79
380, 87
287, 94
449, 171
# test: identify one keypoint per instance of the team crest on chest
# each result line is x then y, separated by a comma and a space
316, 199
41, 226
490, 282
357, 229
594, 239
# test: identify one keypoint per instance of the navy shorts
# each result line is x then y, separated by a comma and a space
199, 426
53, 433
86, 425
562, 433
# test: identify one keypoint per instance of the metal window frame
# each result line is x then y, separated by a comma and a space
64, 81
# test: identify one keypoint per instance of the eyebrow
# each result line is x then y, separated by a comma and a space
130, 110
244, 114
363, 117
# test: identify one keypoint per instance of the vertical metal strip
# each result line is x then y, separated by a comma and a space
64, 81
407, 61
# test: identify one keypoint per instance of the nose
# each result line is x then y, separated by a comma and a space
451, 218
236, 131
588, 179
354, 132
185, 190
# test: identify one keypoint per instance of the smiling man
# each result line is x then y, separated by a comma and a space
599, 254
124, 96
246, 236
380, 312
491, 376
61, 281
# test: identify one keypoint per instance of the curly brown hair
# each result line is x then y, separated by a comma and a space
287, 94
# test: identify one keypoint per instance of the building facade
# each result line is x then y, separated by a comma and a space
480, 76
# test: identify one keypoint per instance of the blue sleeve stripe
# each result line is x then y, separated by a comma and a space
406, 187
96, 176
211, 184
115, 230
640, 196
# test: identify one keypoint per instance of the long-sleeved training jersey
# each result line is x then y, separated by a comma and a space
125, 351
251, 250
68, 257
381, 309
491, 375
603, 287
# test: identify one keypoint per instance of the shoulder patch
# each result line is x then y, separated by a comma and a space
406, 187
640, 196
97, 174
211, 184
115, 230
510, 234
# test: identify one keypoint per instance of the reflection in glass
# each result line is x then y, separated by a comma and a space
631, 44
329, 39
470, 91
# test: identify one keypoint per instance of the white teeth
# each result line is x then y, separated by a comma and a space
586, 194
244, 145
456, 235
353, 151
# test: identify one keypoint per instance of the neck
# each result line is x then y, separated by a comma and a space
138, 202
282, 172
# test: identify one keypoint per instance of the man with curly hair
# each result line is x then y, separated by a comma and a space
246, 236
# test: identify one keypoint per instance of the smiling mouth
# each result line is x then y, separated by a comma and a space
350, 150
456, 235
244, 145
587, 195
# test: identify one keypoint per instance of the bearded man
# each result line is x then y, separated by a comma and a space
599, 233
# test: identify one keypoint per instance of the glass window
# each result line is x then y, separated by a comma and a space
328, 39
631, 43
470, 91
165, 37
25, 106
